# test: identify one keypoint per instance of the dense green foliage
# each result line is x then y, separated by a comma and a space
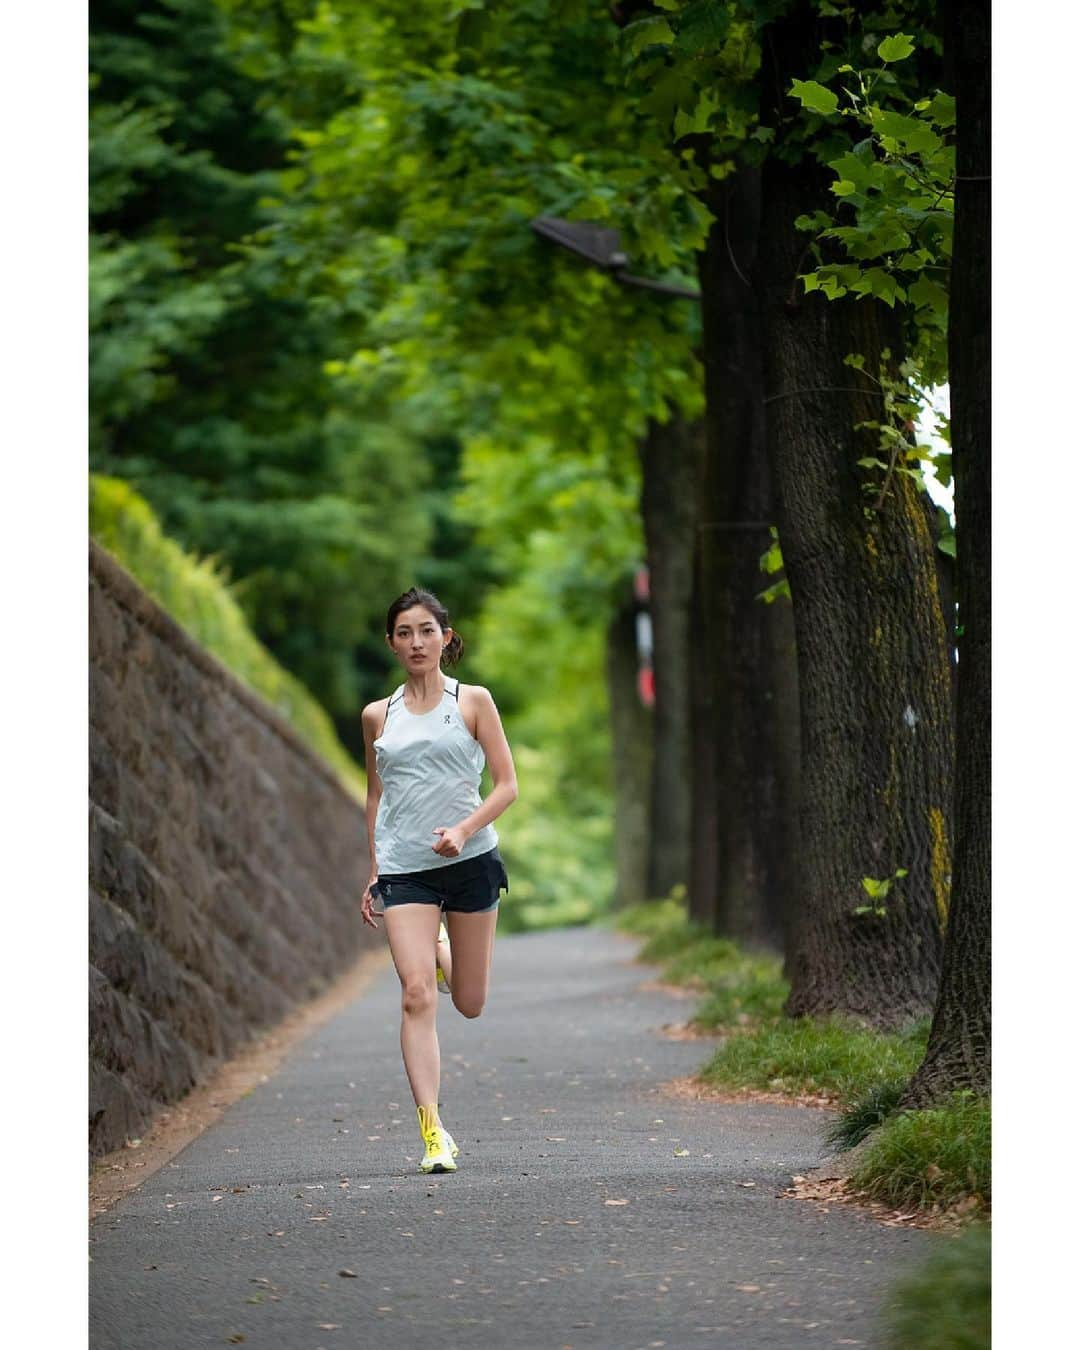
330, 352
368, 372
193, 592
945, 1303
208, 387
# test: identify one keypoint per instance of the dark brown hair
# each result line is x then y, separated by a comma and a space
416, 596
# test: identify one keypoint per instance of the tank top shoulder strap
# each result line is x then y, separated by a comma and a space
452, 688
394, 701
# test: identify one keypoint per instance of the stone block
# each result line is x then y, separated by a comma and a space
119, 1110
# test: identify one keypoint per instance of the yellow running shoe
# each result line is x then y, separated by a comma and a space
438, 1144
440, 978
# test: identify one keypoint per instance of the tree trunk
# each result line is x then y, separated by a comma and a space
631, 746
671, 454
875, 715
743, 666
958, 1054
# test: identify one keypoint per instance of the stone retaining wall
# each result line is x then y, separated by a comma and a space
226, 862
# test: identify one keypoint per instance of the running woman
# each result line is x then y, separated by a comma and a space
432, 845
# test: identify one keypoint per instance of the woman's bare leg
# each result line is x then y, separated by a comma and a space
446, 961
411, 930
472, 938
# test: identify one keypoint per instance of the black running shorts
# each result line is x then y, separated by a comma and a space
467, 887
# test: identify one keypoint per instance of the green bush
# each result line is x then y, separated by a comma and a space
832, 1055
197, 596
945, 1304
559, 867
866, 1113
740, 985
653, 917
922, 1159
751, 989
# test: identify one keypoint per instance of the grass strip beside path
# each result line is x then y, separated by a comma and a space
919, 1160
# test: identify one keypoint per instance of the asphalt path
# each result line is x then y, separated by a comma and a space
590, 1209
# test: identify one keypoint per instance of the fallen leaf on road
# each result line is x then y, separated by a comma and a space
571, 1221
746, 1183
749, 1288
616, 1202
349, 1274
328, 1326
682, 1153
555, 1138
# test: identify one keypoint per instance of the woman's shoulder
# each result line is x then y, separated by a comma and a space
474, 692
375, 711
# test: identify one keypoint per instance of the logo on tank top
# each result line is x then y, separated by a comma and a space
446, 720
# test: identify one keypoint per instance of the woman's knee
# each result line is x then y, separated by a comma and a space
418, 995
469, 1005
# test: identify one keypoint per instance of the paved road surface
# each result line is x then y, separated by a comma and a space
574, 1219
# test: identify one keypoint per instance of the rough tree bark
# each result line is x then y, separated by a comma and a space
631, 744
671, 454
741, 651
875, 715
958, 1053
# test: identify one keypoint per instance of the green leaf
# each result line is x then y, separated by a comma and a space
815, 97
860, 169
703, 27
698, 121
777, 591
923, 291
644, 33
877, 282
943, 109
895, 48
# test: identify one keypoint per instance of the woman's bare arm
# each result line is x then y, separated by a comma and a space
489, 732
372, 719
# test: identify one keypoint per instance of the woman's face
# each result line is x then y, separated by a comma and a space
417, 640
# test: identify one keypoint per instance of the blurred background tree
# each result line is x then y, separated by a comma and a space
208, 385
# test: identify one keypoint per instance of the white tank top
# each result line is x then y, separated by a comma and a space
430, 766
